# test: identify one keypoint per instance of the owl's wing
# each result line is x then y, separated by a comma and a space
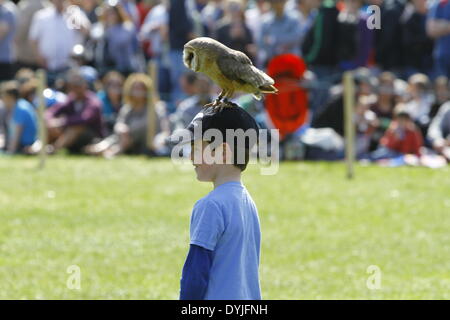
235, 65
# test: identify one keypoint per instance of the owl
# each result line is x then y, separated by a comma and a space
232, 70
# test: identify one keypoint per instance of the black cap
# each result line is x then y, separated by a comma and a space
211, 118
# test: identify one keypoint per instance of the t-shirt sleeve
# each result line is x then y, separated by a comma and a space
207, 224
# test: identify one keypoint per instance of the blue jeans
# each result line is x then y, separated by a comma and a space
384, 153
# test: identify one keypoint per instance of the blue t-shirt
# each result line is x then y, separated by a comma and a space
226, 222
25, 116
441, 10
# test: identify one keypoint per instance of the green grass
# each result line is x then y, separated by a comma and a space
125, 223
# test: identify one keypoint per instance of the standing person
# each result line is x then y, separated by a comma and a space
115, 37
225, 236
253, 18
90, 7
417, 46
388, 42
26, 55
320, 43
8, 21
154, 36
307, 12
233, 31
211, 14
355, 40
53, 36
181, 30
131, 10
280, 33
438, 28
22, 124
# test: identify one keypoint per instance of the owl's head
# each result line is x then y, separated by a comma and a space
190, 58
194, 52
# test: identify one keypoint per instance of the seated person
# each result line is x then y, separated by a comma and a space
111, 98
439, 131
78, 121
421, 100
189, 107
366, 123
401, 138
130, 131
22, 120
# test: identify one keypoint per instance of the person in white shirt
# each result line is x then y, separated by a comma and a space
55, 31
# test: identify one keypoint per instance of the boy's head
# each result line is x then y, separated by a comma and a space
10, 93
402, 116
221, 141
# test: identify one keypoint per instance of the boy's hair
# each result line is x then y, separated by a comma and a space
11, 88
227, 120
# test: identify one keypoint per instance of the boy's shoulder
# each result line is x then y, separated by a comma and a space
212, 199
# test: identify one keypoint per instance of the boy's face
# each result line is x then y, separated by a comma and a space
207, 162
403, 122
205, 172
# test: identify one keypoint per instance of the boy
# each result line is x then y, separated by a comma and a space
401, 138
223, 260
22, 124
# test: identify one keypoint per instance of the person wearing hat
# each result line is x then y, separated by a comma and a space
223, 258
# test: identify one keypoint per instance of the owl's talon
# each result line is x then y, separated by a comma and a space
213, 104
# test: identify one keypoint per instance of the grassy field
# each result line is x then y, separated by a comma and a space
125, 224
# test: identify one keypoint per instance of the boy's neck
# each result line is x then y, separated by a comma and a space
230, 175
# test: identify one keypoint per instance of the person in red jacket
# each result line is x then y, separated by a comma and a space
402, 137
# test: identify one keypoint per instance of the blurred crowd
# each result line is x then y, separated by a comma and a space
102, 98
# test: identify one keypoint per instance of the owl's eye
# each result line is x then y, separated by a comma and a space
190, 57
